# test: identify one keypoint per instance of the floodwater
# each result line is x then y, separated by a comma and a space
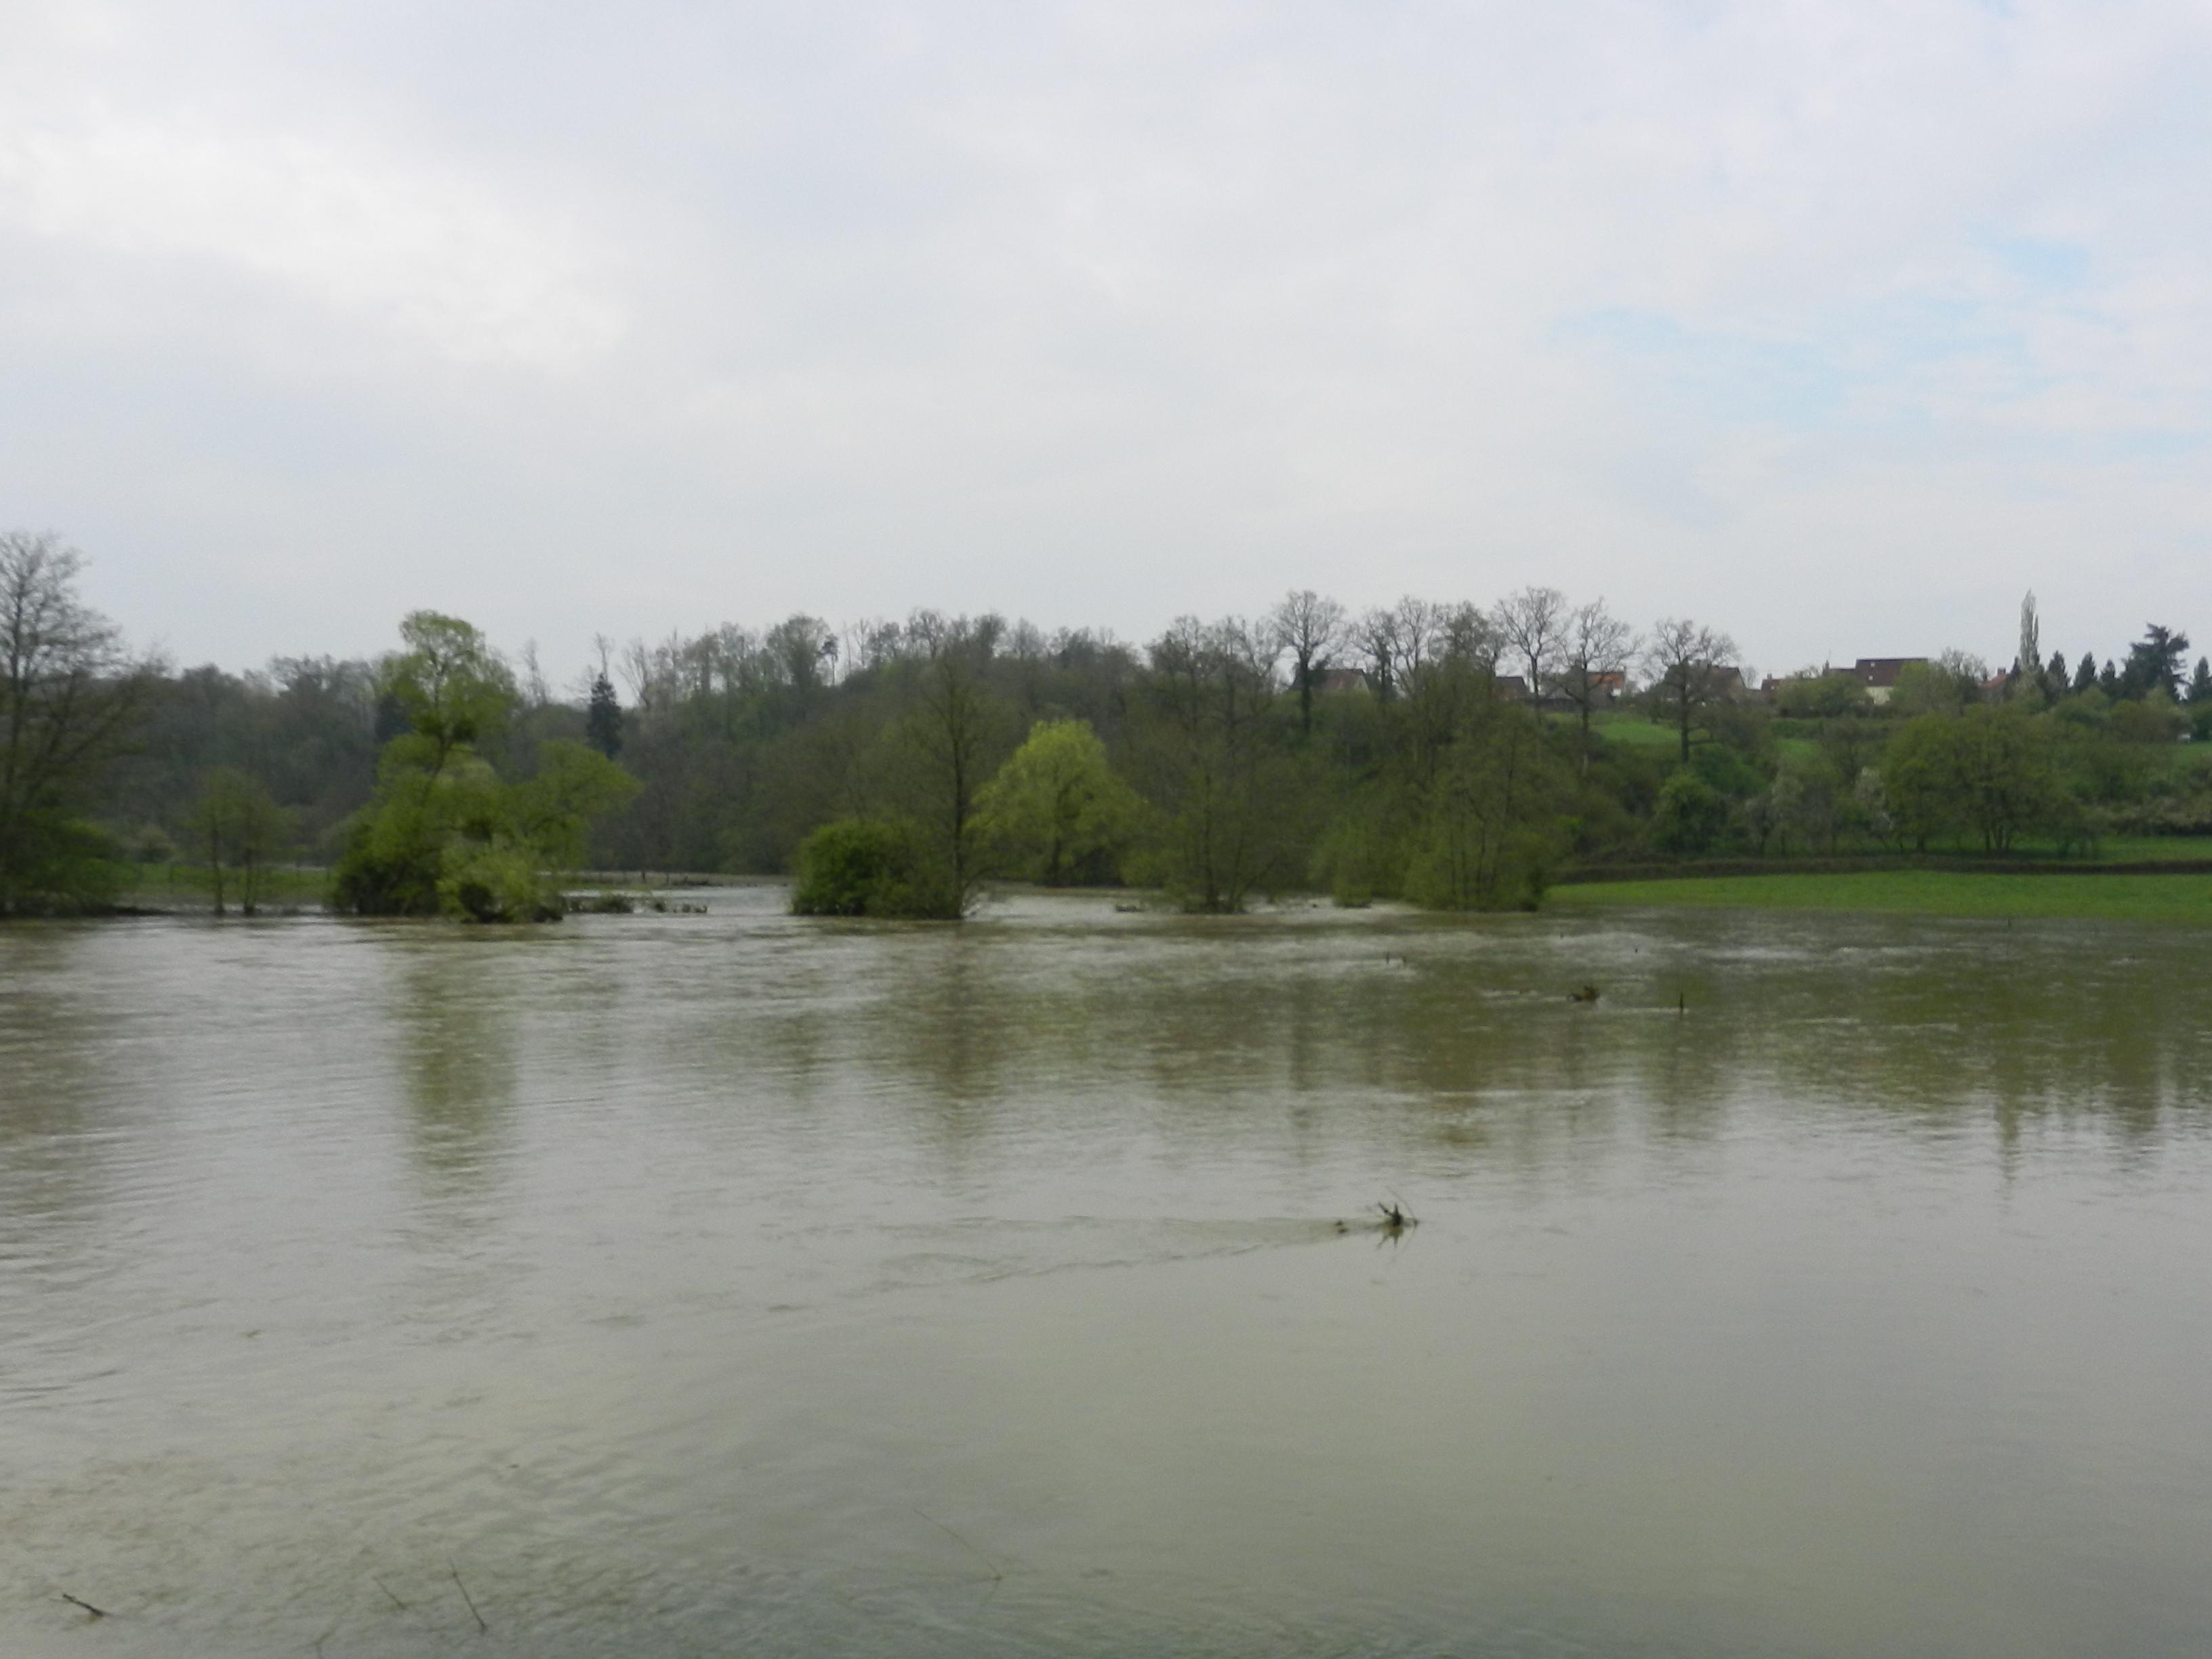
732, 1285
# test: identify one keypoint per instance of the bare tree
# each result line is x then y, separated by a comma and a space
1312, 630
70, 692
1375, 635
1531, 623
535, 689
1595, 651
1690, 666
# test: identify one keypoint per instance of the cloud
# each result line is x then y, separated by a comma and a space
1802, 318
421, 252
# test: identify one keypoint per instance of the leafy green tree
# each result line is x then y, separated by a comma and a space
1689, 817
1493, 824
1954, 681
2200, 685
1210, 758
552, 810
1812, 695
449, 686
1918, 782
861, 866
2002, 772
1989, 771
70, 696
238, 830
953, 735
1057, 804
2085, 676
444, 833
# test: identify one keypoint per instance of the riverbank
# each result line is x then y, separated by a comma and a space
2098, 895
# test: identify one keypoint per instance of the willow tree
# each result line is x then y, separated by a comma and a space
1056, 806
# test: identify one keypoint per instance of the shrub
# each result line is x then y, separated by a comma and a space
1689, 817
861, 867
496, 881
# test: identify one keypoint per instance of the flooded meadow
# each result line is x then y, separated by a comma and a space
730, 1283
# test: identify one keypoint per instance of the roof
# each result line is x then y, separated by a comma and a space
1882, 670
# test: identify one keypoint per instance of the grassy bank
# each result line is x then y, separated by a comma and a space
2184, 898
188, 887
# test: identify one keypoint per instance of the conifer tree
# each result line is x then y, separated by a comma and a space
603, 721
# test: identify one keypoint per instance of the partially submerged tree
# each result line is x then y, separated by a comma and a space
1212, 762
1056, 804
238, 831
445, 834
70, 694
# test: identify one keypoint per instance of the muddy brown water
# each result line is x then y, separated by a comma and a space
732, 1285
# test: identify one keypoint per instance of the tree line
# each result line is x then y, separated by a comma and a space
1447, 753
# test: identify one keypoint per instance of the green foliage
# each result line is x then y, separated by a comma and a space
553, 811
1056, 806
237, 829
444, 833
865, 867
1494, 826
1690, 816
449, 686
1213, 756
1989, 772
1821, 697
495, 880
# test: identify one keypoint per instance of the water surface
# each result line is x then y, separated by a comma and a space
734, 1285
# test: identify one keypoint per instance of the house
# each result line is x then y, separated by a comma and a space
1879, 674
1511, 685
1341, 679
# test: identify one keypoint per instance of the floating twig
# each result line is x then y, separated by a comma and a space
97, 1613
386, 1589
1396, 1218
465, 1596
1585, 993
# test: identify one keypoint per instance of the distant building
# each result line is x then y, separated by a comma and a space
1879, 674
1512, 685
1341, 679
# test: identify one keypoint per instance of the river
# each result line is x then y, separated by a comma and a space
729, 1284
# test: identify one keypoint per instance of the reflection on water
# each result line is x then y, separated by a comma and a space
454, 1026
727, 1284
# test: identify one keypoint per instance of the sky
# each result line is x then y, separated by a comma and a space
1835, 326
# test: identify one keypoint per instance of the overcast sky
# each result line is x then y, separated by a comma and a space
1836, 326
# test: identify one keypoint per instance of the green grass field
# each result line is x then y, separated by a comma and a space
2184, 898
1637, 732
187, 887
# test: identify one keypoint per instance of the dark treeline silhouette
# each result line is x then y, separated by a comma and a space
1455, 755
